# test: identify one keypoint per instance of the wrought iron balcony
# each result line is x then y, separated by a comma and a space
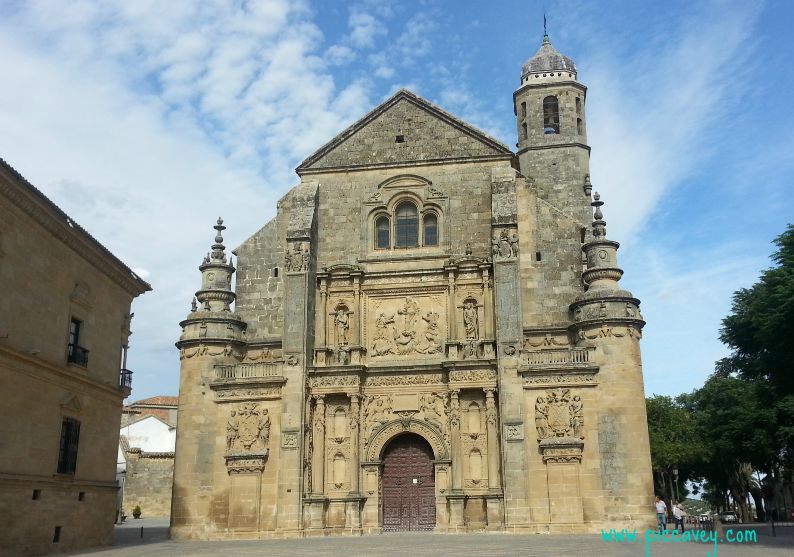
77, 355
125, 379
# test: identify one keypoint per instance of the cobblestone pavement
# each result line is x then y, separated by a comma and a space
155, 543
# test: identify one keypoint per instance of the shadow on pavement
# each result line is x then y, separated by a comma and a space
141, 531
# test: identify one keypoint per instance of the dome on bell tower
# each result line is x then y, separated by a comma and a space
547, 60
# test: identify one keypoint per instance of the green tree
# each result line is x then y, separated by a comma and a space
760, 332
732, 419
673, 445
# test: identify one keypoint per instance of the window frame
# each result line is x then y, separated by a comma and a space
425, 215
68, 446
551, 117
397, 228
378, 218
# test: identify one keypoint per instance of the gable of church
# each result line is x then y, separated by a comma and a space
403, 130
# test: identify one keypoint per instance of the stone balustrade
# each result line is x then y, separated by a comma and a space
556, 357
247, 371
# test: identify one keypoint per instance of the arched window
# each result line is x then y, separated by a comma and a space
431, 229
551, 115
406, 229
382, 233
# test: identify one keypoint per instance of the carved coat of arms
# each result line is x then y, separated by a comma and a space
559, 414
248, 428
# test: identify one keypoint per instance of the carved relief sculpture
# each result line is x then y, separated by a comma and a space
432, 342
248, 429
384, 340
559, 414
434, 408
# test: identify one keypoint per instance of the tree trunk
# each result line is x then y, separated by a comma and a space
758, 499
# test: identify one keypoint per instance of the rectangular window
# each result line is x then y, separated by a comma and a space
76, 354
67, 452
56, 535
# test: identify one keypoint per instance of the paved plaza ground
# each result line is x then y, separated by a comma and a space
155, 543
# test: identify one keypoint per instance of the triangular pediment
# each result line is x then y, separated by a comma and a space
406, 129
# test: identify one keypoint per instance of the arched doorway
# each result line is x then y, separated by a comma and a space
408, 486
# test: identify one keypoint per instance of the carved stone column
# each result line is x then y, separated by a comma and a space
487, 303
356, 341
493, 447
318, 452
452, 320
454, 433
354, 445
353, 506
323, 312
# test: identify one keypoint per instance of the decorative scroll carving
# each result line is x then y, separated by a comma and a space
561, 450
533, 380
248, 428
289, 439
263, 354
559, 414
547, 340
393, 380
248, 393
473, 375
245, 463
293, 359
514, 432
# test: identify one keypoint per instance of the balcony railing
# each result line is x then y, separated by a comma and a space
247, 371
125, 379
77, 355
554, 357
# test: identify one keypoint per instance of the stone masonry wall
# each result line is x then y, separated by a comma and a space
149, 480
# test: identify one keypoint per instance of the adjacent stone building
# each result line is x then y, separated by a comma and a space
146, 455
429, 335
64, 328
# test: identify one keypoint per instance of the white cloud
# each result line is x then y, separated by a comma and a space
339, 55
364, 29
651, 118
146, 121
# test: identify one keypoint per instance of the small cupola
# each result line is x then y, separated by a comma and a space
546, 63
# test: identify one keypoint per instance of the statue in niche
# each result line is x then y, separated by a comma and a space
384, 341
342, 355
514, 244
471, 324
504, 243
434, 408
341, 325
432, 343
494, 248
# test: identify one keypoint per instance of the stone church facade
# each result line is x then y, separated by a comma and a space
429, 335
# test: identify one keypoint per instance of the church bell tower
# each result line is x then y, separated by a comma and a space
552, 133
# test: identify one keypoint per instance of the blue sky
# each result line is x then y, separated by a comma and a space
146, 120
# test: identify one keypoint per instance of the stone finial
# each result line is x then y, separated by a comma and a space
599, 224
218, 247
588, 187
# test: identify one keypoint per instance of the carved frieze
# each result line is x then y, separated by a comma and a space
248, 393
334, 381
539, 380
561, 450
472, 375
398, 380
559, 414
245, 463
289, 439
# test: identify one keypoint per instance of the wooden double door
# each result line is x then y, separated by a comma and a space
408, 491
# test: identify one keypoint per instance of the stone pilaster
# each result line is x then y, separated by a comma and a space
507, 300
